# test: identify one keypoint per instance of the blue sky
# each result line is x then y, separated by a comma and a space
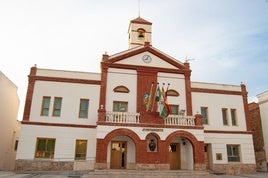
227, 38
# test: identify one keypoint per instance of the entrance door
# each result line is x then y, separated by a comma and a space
118, 155
206, 149
174, 156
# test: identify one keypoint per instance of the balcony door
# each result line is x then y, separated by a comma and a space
118, 154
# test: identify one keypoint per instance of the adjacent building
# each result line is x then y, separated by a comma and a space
10, 126
110, 120
259, 116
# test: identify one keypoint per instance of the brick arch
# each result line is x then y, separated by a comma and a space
153, 134
102, 144
184, 134
125, 132
198, 147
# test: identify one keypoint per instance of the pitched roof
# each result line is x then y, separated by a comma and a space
141, 21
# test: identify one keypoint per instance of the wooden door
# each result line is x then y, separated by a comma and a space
174, 156
118, 155
206, 152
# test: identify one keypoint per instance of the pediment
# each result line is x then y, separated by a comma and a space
145, 56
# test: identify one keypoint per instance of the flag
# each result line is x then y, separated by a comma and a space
164, 109
158, 94
149, 103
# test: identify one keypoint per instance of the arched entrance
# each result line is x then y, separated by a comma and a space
117, 150
182, 147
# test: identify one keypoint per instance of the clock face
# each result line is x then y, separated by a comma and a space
146, 58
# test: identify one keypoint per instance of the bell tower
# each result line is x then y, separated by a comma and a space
139, 31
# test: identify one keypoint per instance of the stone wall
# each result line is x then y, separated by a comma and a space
234, 169
43, 165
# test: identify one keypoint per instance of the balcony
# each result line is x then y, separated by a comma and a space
136, 118
122, 117
180, 120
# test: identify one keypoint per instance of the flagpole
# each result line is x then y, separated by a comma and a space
150, 97
167, 89
152, 109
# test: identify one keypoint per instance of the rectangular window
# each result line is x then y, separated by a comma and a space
45, 106
224, 112
83, 108
233, 117
45, 148
57, 106
204, 113
80, 149
174, 109
233, 153
120, 106
16, 145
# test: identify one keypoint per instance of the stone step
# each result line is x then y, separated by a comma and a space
148, 174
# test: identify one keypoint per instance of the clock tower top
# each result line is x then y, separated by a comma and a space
139, 31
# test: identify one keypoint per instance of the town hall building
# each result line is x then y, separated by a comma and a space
83, 121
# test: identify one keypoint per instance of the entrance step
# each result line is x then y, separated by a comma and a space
148, 174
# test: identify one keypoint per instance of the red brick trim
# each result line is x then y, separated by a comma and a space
147, 49
29, 94
188, 93
245, 102
103, 88
58, 124
227, 132
67, 80
206, 90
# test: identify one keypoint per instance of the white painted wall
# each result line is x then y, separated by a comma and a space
65, 141
71, 94
215, 103
9, 127
219, 141
103, 130
156, 61
263, 104
68, 74
126, 78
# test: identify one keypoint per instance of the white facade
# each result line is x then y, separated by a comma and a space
9, 127
120, 140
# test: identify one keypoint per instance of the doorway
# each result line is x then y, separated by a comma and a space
174, 156
118, 154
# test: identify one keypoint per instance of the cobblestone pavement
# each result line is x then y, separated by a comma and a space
10, 174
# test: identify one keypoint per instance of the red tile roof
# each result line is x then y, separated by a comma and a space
141, 21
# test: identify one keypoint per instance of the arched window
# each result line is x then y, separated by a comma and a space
172, 93
141, 33
121, 89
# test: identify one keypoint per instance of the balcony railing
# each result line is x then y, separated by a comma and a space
127, 117
122, 117
180, 120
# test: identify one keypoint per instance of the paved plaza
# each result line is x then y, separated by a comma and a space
10, 174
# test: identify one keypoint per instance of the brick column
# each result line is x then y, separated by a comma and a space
29, 95
102, 101
198, 120
188, 92
245, 102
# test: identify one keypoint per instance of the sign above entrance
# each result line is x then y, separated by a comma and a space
152, 130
